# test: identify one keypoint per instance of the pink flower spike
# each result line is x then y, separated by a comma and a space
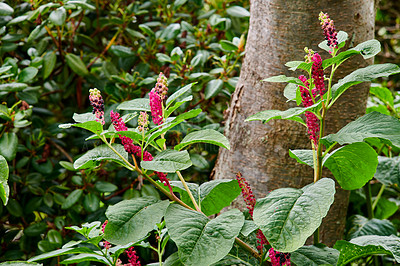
132, 257
329, 31
317, 74
98, 105
156, 107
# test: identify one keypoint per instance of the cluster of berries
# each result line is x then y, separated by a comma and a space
279, 258
98, 105
329, 30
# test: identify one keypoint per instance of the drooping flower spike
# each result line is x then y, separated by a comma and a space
329, 31
98, 104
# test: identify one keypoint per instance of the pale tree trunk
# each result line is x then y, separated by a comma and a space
279, 31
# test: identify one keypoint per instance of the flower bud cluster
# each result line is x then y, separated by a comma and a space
329, 30
157, 95
161, 86
143, 121
312, 120
98, 105
247, 193
279, 258
107, 244
132, 257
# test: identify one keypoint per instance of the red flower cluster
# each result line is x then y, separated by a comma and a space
119, 125
317, 74
279, 258
311, 119
329, 30
107, 244
98, 105
157, 95
133, 258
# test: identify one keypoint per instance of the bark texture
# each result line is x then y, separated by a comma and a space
279, 31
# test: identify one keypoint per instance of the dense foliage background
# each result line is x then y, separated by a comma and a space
53, 52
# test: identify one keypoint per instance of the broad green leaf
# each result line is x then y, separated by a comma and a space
82, 4
213, 88
390, 243
283, 78
131, 220
173, 260
5, 10
290, 92
178, 94
288, 216
227, 45
134, 135
12, 87
371, 125
168, 161
367, 49
86, 257
289, 114
238, 12
72, 199
92, 126
76, 64
59, 252
294, 65
204, 136
85, 117
58, 16
8, 145
177, 104
361, 226
104, 186
49, 62
352, 165
4, 189
248, 227
368, 73
202, 241
303, 156
141, 104
211, 196
350, 252
388, 170
315, 256
20, 263
170, 32
121, 51
91, 158
384, 94
385, 208
87, 229
27, 74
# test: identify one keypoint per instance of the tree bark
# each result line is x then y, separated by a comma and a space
279, 31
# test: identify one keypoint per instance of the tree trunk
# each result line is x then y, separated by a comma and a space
279, 31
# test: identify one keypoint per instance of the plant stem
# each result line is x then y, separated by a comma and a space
378, 196
188, 191
249, 249
367, 190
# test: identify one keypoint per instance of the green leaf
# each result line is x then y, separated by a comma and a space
388, 170
170, 32
368, 245
248, 227
27, 74
371, 125
8, 145
134, 135
385, 208
289, 114
76, 64
294, 65
103, 186
290, 92
202, 241
283, 78
303, 156
368, 73
5, 10
350, 252
4, 189
49, 62
288, 216
238, 12
91, 158
177, 104
20, 263
315, 256
86, 257
211, 196
91, 202
227, 45
383, 94
12, 87
72, 199
82, 4
121, 51
178, 94
361, 226
60, 252
58, 16
213, 87
131, 220
352, 165
204, 136
168, 161
140, 104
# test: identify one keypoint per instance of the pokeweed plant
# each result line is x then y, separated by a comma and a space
282, 221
